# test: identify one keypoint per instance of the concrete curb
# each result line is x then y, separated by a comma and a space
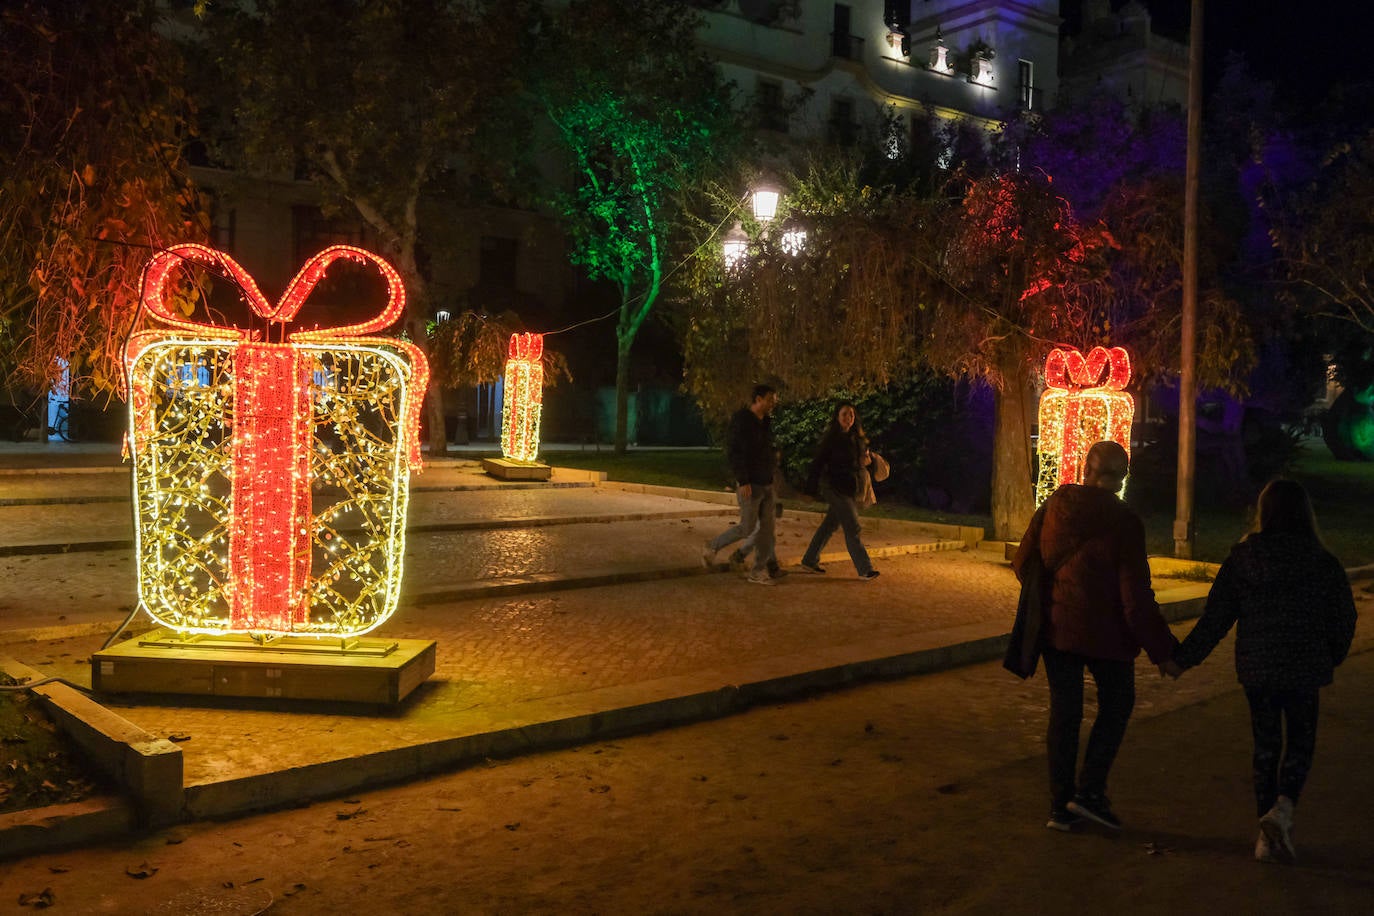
970, 535
146, 767
54, 827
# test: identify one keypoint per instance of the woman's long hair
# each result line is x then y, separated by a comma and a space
834, 430
1284, 508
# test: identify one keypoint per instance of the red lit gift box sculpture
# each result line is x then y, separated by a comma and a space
1079, 407
271, 478
524, 397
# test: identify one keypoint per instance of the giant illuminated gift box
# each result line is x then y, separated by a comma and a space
1081, 407
271, 478
524, 397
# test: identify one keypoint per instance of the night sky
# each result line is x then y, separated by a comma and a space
1302, 48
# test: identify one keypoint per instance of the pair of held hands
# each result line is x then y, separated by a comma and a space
1171, 668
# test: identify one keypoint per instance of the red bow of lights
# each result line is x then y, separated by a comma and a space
1084, 402
269, 507
1071, 370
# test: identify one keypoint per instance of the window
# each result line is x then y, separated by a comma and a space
770, 104
314, 232
1026, 72
843, 130
843, 45
496, 266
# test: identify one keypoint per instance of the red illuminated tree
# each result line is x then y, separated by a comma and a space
92, 137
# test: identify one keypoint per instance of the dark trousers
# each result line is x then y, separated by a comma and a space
1115, 700
1281, 767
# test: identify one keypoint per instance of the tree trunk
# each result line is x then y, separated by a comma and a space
1013, 487
622, 392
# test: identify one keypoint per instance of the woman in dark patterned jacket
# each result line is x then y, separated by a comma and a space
1295, 617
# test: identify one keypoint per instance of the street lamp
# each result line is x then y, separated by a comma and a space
764, 200
734, 245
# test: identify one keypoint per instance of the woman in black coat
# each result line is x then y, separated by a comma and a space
841, 455
1294, 614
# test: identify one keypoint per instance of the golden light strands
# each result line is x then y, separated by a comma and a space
271, 478
1080, 407
524, 397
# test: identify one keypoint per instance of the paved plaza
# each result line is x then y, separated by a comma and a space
562, 614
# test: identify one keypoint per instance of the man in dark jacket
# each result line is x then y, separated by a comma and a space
749, 448
1100, 612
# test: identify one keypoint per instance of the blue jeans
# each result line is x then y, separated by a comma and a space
757, 519
844, 514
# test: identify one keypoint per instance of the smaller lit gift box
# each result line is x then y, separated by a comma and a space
524, 397
1084, 402
271, 476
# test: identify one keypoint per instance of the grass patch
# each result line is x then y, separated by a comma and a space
697, 469
40, 766
1343, 492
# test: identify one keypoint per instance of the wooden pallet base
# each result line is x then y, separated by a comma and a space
362, 670
505, 469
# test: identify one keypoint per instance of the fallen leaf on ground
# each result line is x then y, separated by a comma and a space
140, 871
39, 901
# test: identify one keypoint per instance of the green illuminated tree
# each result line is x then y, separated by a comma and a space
389, 108
92, 125
640, 114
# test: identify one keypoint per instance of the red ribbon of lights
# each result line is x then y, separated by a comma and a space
269, 544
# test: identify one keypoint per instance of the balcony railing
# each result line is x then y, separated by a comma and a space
846, 47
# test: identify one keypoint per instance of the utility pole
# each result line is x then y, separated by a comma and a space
1187, 382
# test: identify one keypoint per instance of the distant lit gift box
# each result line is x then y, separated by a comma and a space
1084, 402
524, 397
271, 478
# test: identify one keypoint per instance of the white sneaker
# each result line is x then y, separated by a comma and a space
1277, 825
708, 555
1263, 851
762, 578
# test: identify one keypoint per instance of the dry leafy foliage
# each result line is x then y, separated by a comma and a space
38, 764
94, 179
470, 349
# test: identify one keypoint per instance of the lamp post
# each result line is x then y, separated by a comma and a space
734, 245
1187, 383
763, 199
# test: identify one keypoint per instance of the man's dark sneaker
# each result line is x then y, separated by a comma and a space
736, 561
776, 572
869, 576
1097, 809
811, 567
1063, 820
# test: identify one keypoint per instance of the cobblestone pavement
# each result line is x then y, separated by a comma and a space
66, 522
99, 585
495, 654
